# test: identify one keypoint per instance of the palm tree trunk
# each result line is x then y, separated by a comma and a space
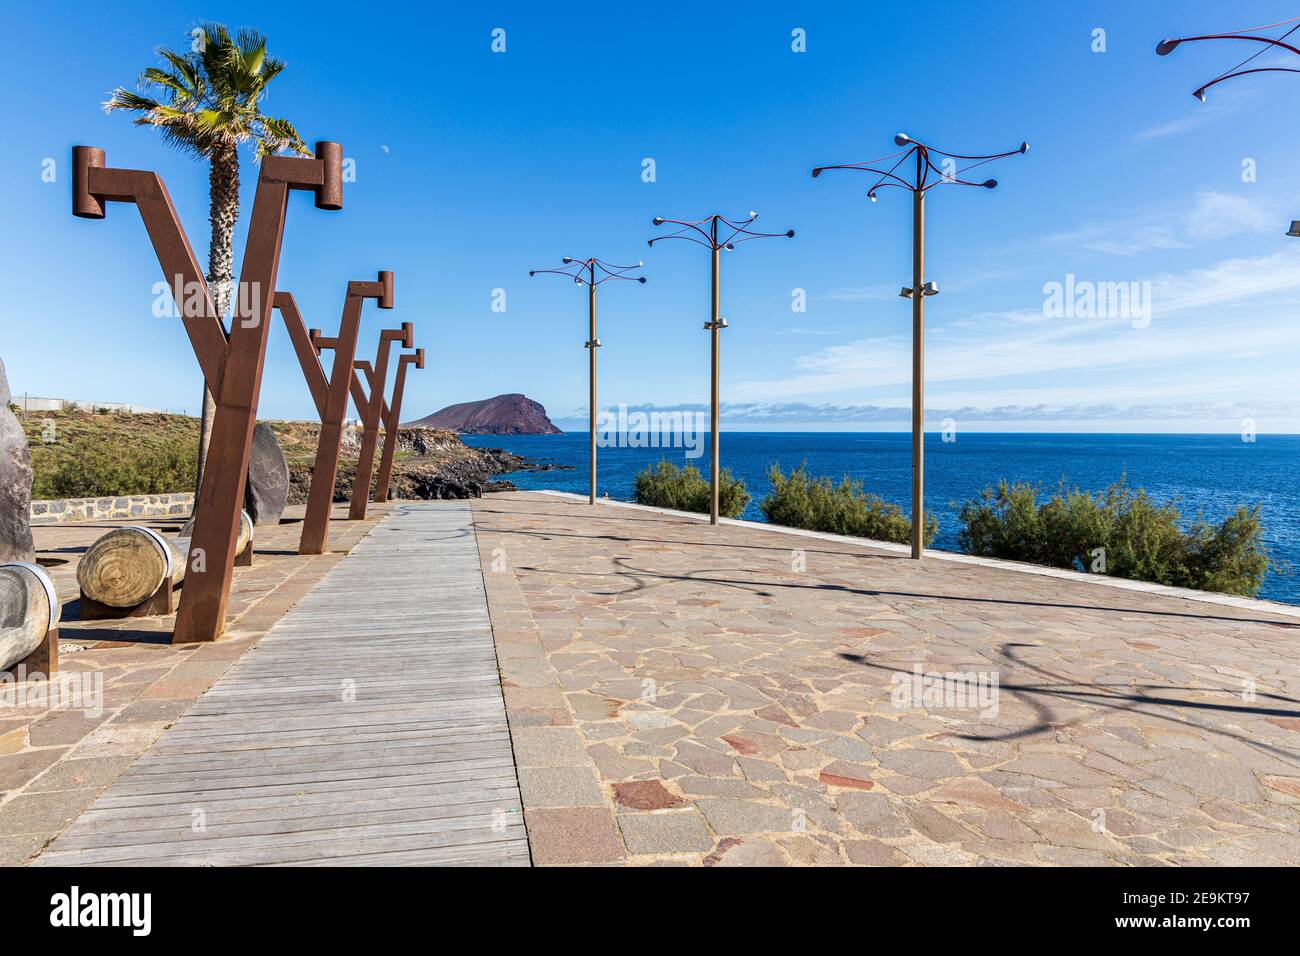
223, 211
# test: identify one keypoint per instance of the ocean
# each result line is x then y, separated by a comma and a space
1207, 474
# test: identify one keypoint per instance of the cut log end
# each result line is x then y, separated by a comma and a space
124, 567
25, 611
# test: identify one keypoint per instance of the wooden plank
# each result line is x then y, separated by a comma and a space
367, 728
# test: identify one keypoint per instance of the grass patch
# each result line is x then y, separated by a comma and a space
1121, 532
799, 500
684, 489
80, 454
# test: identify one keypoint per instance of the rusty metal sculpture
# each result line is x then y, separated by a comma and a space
373, 412
231, 361
392, 420
330, 395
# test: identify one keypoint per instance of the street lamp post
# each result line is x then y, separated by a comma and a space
707, 233
591, 273
1165, 47
920, 289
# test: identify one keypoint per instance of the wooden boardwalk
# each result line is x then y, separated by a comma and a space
366, 728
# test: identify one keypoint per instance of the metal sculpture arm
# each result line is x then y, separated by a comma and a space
924, 166
591, 272
1165, 47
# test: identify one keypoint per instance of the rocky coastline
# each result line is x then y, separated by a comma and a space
429, 464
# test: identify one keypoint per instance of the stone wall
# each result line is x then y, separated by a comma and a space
129, 506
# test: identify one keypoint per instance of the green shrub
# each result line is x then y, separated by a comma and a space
817, 504
1139, 538
684, 489
89, 469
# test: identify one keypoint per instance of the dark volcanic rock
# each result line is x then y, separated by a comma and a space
15, 483
457, 472
512, 414
267, 488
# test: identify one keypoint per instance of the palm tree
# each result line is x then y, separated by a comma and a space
208, 102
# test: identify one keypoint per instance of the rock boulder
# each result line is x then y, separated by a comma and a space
15, 483
267, 489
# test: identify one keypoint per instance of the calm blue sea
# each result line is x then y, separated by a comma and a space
1210, 474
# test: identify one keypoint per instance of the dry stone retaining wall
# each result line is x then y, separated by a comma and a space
123, 506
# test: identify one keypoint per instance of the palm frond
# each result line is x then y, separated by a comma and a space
177, 89
253, 46
124, 99
279, 134
271, 69
209, 99
187, 68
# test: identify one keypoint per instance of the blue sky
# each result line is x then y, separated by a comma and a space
473, 167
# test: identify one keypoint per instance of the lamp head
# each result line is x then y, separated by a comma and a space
657, 220
641, 279
902, 139
990, 184
1165, 47
1200, 95
1024, 148
872, 195
905, 292
789, 233
817, 171
566, 260
930, 288
1295, 229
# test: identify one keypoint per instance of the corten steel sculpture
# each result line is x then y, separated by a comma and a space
231, 361
373, 412
920, 289
586, 274
330, 395
1267, 45
708, 234
392, 420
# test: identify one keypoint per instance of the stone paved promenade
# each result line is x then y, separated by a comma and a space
682, 693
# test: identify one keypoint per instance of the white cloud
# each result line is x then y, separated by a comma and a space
1210, 215
1007, 348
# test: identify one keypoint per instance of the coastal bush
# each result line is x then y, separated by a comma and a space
83, 455
799, 500
1121, 532
684, 489
102, 470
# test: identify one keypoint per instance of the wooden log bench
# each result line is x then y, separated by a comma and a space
134, 571
29, 622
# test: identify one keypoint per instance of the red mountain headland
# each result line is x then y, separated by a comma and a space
512, 414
